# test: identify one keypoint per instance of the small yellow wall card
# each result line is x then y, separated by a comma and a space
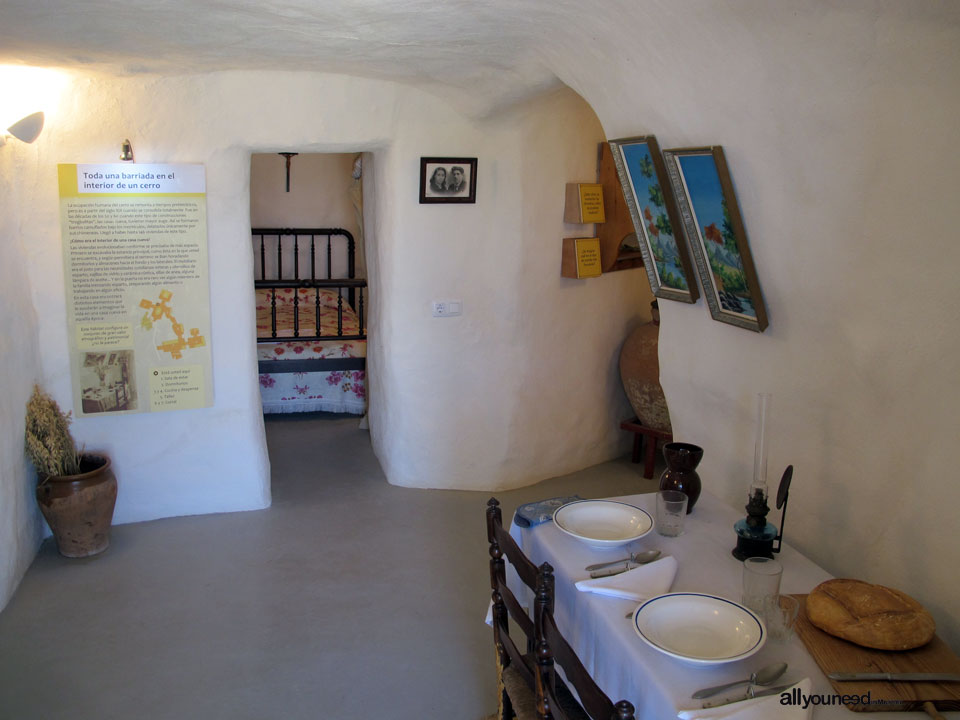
591, 203
581, 258
588, 257
584, 203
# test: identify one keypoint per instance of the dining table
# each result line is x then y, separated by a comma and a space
627, 668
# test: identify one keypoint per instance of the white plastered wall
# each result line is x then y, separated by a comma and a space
839, 123
20, 521
523, 385
455, 402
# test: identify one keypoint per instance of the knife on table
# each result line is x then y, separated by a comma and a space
749, 696
895, 677
613, 571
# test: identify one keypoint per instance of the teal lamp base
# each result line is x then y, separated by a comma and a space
754, 542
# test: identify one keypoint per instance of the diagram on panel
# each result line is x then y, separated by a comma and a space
159, 310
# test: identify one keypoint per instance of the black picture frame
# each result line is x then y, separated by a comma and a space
430, 192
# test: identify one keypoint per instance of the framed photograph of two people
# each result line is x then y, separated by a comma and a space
448, 180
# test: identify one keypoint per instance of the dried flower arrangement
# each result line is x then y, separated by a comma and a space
48, 442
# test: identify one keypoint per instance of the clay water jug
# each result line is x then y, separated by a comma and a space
640, 374
681, 473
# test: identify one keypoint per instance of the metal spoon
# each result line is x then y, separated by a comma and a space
763, 676
639, 558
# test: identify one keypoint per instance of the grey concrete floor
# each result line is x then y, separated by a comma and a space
347, 598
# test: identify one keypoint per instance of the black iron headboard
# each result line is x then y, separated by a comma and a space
351, 283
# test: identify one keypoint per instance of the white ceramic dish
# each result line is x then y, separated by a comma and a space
603, 523
700, 629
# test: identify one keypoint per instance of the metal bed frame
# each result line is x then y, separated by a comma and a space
351, 284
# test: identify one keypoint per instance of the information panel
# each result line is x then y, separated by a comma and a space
137, 287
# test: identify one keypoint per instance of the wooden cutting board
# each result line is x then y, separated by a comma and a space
835, 655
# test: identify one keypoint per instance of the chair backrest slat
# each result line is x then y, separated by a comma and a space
521, 563
553, 649
516, 611
506, 607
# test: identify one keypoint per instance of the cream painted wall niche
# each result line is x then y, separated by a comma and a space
320, 187
323, 193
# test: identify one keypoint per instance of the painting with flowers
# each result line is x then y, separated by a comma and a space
656, 221
715, 230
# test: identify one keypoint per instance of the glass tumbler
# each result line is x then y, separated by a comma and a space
761, 583
671, 512
780, 617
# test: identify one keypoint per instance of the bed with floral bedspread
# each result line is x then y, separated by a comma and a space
311, 345
341, 390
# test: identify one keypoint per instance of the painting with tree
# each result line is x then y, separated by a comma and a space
656, 220
713, 225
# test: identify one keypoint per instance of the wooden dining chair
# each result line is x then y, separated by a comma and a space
553, 698
515, 668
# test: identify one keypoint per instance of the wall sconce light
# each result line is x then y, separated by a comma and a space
27, 129
126, 151
25, 91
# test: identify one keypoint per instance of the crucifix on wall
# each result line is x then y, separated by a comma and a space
288, 155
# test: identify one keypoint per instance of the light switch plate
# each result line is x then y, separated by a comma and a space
447, 308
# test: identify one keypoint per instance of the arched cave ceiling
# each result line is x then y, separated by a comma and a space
480, 54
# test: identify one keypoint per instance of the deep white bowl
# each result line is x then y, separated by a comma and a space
698, 628
603, 523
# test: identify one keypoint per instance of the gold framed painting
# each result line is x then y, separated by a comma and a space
653, 210
716, 234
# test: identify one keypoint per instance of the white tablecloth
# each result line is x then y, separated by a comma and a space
621, 663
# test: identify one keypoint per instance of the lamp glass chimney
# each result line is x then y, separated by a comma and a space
759, 482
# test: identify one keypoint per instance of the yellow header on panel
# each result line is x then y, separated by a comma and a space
126, 180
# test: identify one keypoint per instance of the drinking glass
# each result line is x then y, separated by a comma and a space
780, 615
761, 581
671, 512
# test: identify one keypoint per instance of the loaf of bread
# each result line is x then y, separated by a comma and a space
870, 615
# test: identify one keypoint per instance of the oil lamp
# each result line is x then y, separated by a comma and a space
755, 535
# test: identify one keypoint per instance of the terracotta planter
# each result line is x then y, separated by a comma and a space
79, 508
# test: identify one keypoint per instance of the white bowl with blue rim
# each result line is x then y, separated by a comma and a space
603, 523
698, 628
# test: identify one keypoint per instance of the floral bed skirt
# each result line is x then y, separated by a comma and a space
338, 391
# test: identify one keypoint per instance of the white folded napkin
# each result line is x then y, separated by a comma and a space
762, 708
639, 584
